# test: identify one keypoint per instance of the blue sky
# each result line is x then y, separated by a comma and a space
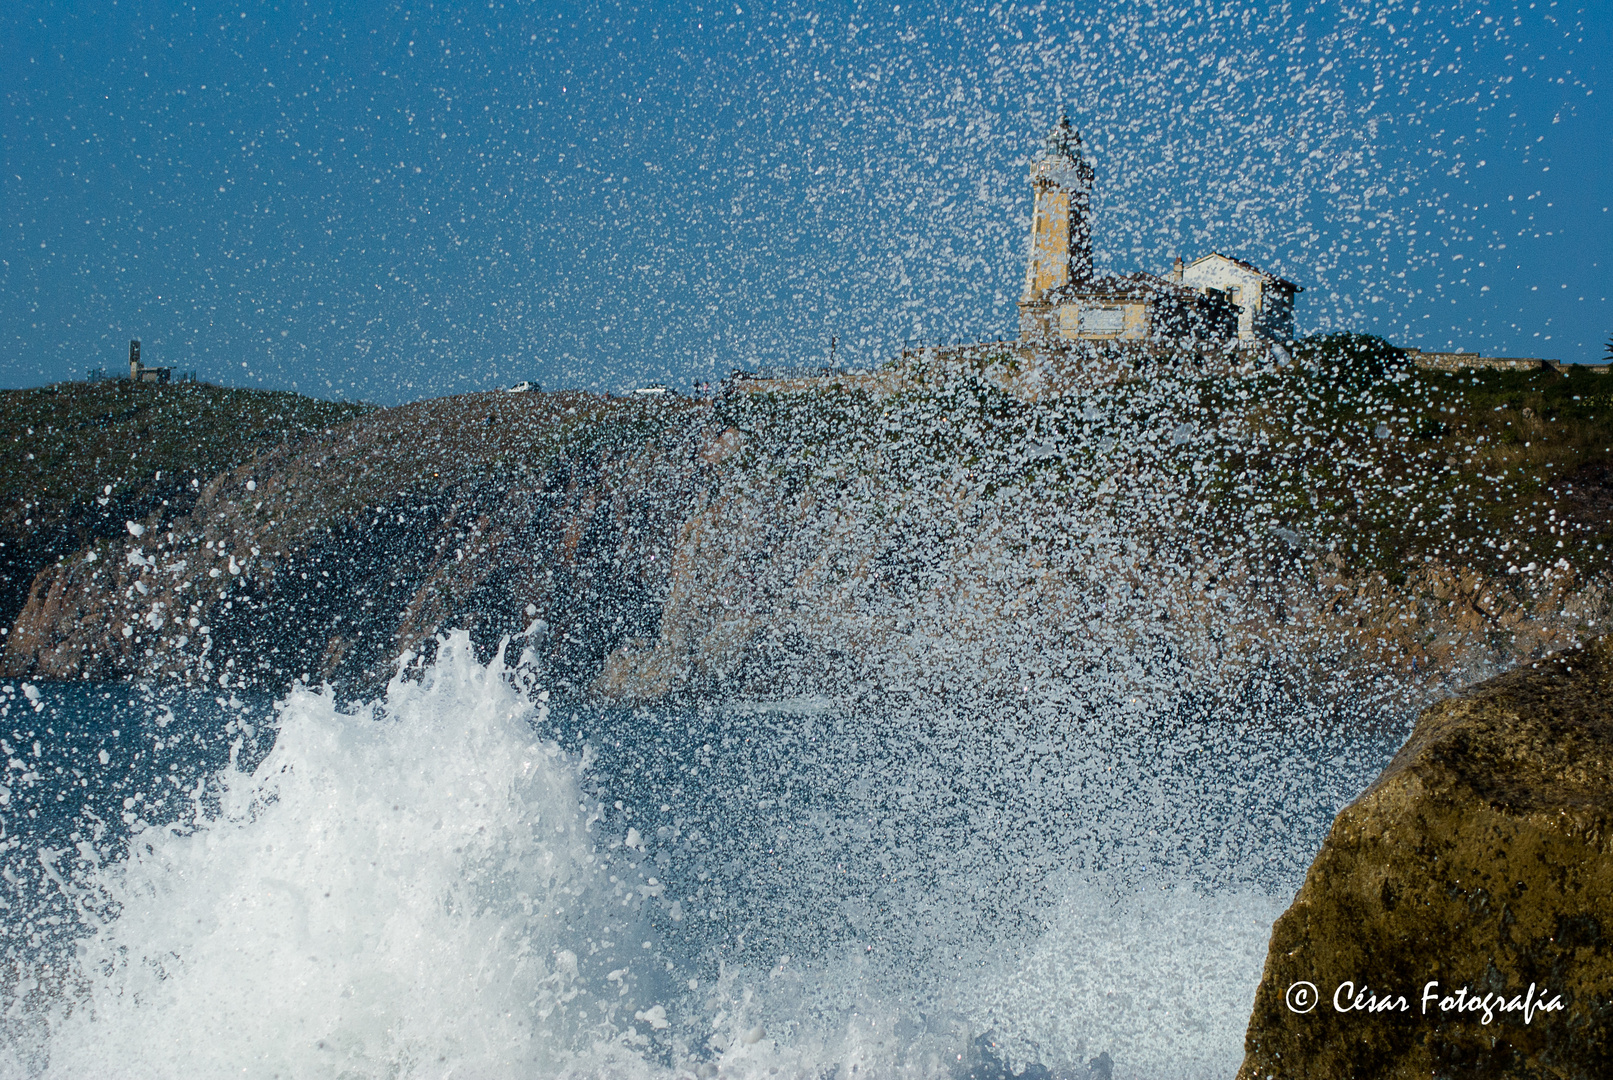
394, 201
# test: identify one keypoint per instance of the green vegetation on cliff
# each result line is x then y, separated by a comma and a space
1351, 451
1431, 520
1384, 465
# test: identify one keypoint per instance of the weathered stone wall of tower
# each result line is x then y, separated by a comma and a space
1050, 261
1060, 255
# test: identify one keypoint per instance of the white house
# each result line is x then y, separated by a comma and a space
1266, 300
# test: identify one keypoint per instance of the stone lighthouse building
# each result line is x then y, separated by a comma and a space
1061, 228
1065, 299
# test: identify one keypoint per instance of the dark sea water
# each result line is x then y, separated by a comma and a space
467, 878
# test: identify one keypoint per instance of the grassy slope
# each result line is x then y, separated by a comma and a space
1384, 465
427, 447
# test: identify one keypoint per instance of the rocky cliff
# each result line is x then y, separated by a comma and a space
328, 557
83, 458
1168, 538
1459, 919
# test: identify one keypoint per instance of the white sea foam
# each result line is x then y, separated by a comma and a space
407, 889
420, 887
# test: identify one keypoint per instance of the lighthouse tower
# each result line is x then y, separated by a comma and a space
1061, 229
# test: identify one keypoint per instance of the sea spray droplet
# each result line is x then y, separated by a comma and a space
655, 1017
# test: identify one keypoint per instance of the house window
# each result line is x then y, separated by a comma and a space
1235, 294
1103, 320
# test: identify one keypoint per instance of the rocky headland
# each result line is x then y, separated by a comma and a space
1314, 533
327, 556
84, 458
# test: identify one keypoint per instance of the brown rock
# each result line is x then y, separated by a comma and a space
1479, 860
